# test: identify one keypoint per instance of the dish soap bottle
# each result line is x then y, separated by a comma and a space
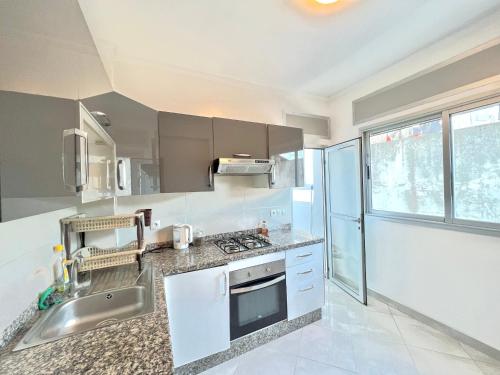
263, 229
58, 267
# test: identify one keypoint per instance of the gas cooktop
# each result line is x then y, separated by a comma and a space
241, 243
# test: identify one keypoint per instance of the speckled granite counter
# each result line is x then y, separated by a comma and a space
136, 346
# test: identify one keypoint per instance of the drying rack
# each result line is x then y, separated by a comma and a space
93, 258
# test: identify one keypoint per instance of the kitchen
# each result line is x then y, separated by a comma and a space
236, 225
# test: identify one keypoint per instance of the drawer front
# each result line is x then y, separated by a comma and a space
302, 255
304, 273
305, 296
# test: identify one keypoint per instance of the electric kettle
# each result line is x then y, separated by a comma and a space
182, 236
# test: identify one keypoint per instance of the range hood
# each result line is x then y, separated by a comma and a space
243, 167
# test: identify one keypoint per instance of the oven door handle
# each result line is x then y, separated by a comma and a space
258, 286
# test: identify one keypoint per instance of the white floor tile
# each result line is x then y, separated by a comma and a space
381, 326
433, 363
324, 345
308, 367
226, 368
488, 368
378, 306
480, 356
422, 336
375, 357
263, 361
288, 344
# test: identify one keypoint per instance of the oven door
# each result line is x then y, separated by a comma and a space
257, 304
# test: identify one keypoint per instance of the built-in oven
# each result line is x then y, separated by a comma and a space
257, 297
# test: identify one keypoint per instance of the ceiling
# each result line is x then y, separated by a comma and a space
291, 45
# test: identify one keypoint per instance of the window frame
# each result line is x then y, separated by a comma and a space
448, 220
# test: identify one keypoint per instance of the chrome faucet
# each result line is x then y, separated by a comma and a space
74, 284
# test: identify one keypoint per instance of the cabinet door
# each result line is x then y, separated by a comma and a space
286, 146
233, 137
198, 313
31, 130
134, 128
186, 152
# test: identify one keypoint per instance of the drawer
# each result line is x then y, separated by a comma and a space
304, 272
305, 296
306, 254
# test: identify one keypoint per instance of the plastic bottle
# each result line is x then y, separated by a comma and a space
264, 230
59, 268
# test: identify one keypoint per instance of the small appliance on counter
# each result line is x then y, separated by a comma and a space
182, 235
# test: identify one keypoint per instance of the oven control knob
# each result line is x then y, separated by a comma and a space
268, 269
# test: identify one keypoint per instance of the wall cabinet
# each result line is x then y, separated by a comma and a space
304, 280
286, 146
233, 138
186, 152
198, 313
134, 128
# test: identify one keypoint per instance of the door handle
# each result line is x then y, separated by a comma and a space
258, 286
358, 220
242, 155
84, 165
304, 255
210, 176
121, 176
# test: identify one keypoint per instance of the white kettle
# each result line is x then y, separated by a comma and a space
182, 236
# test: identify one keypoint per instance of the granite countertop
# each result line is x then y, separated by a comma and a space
139, 345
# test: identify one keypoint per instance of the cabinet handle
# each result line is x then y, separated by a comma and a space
84, 165
305, 272
108, 174
306, 289
242, 155
121, 175
273, 175
304, 255
210, 176
223, 285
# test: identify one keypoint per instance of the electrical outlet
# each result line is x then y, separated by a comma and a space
283, 211
274, 212
156, 225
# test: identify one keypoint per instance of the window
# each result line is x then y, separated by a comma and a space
407, 169
476, 164
443, 168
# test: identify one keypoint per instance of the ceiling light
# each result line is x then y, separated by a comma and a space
326, 1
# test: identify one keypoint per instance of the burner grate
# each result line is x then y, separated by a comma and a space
241, 243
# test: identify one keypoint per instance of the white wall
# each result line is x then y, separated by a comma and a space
234, 205
450, 276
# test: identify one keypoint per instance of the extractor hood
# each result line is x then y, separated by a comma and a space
243, 167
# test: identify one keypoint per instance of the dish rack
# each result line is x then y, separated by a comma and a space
93, 258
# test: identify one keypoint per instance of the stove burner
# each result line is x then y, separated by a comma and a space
241, 243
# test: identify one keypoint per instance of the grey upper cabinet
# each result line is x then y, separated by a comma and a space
286, 145
186, 152
134, 128
233, 138
31, 135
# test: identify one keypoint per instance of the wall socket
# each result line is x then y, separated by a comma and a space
156, 225
277, 212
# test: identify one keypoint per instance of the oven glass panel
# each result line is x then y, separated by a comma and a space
256, 309
258, 304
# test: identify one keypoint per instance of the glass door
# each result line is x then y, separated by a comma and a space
344, 218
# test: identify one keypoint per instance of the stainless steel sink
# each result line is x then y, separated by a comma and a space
93, 311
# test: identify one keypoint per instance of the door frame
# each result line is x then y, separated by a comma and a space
328, 235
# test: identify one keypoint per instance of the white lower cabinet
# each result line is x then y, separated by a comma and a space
305, 286
198, 313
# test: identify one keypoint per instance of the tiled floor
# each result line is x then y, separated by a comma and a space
356, 339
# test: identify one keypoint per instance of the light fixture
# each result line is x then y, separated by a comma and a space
326, 2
